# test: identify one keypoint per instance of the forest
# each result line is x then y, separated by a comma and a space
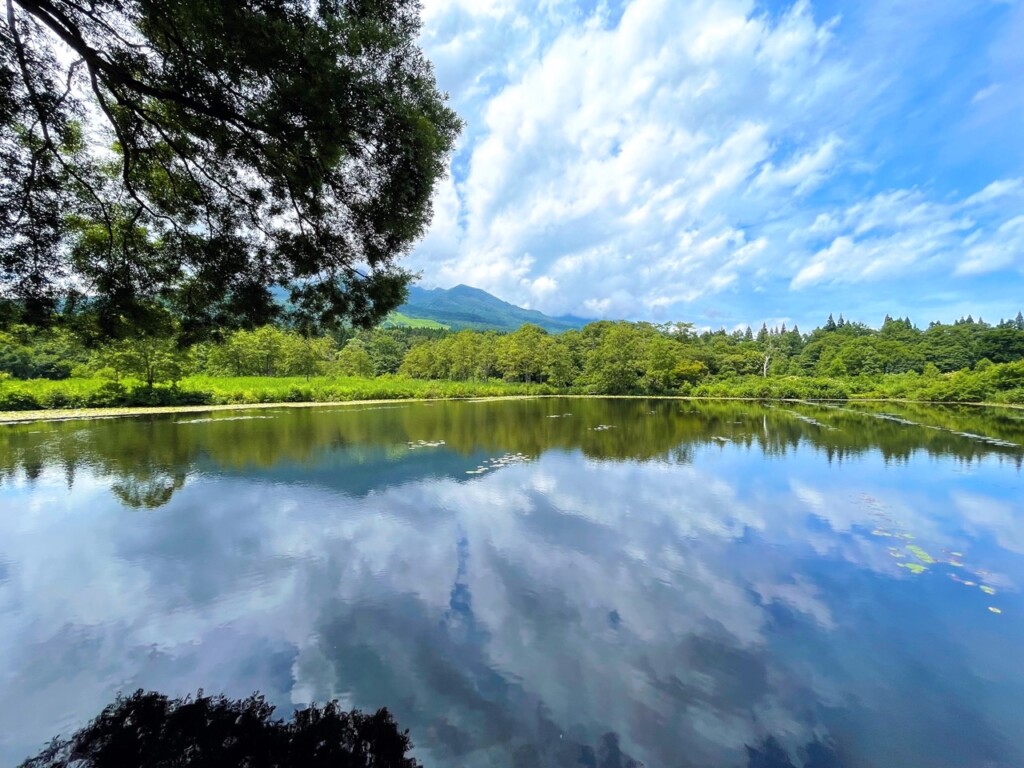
966, 361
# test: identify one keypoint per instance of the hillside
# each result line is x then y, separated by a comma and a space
398, 320
464, 307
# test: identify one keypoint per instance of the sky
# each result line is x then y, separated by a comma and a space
728, 162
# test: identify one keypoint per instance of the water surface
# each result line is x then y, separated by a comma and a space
535, 583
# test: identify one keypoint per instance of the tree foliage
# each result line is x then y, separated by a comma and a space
962, 361
286, 143
150, 359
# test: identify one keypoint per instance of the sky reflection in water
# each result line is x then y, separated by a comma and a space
703, 585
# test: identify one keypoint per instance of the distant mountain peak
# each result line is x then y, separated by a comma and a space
465, 306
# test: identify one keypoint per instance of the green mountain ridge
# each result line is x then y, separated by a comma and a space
465, 307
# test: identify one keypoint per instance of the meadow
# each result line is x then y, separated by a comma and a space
87, 393
77, 393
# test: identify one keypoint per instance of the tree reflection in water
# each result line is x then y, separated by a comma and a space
150, 458
152, 731
148, 730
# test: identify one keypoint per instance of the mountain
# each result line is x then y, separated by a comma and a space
466, 307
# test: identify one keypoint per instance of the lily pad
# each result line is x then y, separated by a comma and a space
920, 554
914, 568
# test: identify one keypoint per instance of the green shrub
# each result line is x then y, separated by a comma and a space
18, 400
57, 398
110, 394
1014, 396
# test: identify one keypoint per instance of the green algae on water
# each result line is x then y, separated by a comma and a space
920, 554
915, 568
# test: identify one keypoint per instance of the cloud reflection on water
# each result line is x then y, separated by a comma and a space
517, 618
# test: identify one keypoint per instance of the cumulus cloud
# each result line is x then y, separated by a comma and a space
634, 159
619, 162
895, 233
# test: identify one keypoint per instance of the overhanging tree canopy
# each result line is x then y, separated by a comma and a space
256, 143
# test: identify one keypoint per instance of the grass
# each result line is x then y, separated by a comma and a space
42, 394
398, 319
74, 394
999, 385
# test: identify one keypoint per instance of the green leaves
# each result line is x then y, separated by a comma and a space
257, 145
152, 360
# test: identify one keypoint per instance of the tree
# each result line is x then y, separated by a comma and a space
150, 729
523, 354
1001, 345
354, 360
419, 361
662, 358
267, 347
690, 371
615, 365
307, 356
386, 352
461, 355
1019, 322
152, 359
566, 359
284, 143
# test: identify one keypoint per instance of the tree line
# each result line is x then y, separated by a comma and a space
604, 357
644, 358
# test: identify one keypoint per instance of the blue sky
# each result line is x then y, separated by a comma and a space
729, 162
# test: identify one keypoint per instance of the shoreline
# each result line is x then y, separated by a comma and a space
11, 418
8, 418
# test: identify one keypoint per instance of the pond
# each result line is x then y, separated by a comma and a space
549, 582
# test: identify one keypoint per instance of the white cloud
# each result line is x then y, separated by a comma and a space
988, 254
804, 173
995, 191
896, 233
638, 164
625, 157
994, 518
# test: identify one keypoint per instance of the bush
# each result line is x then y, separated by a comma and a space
110, 394
1013, 396
18, 400
57, 398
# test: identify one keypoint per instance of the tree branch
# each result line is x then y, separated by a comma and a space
66, 29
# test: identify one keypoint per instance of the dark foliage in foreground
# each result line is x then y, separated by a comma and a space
173, 155
149, 730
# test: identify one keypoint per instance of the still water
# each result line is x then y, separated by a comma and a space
535, 583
